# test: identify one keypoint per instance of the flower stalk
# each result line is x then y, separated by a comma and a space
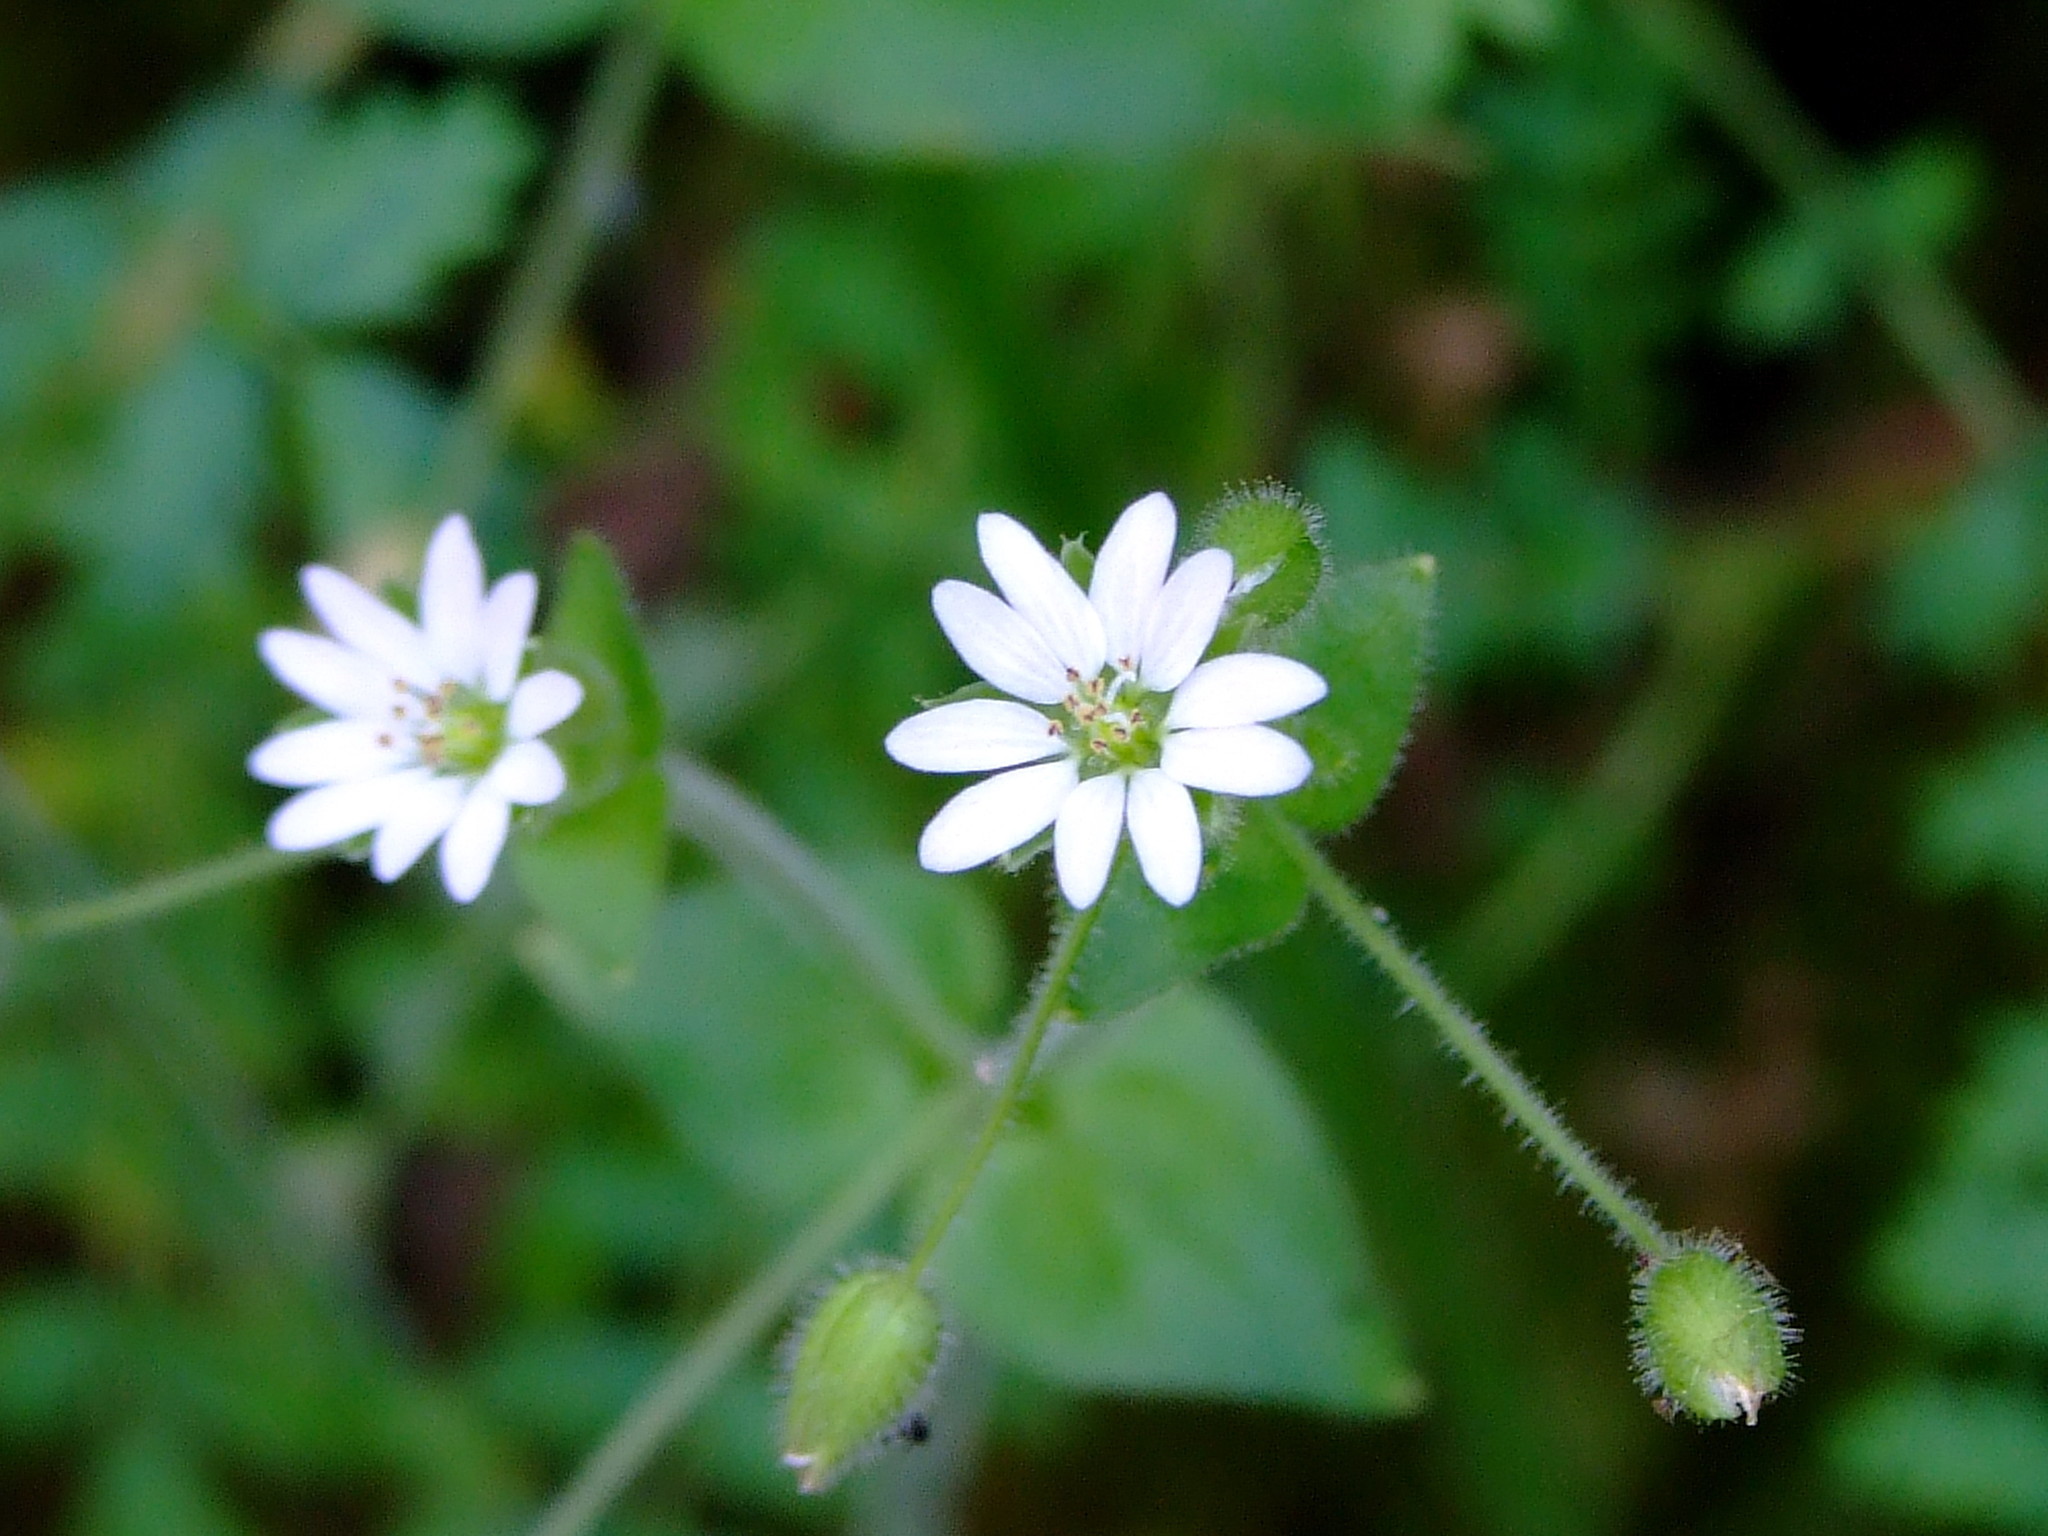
154, 898
1466, 1038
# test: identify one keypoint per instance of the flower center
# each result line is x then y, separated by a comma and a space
1110, 723
454, 729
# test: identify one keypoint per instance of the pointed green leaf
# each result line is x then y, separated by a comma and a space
1165, 1217
596, 871
1140, 946
1368, 636
592, 632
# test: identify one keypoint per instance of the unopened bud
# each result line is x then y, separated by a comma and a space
857, 1365
1276, 551
1713, 1337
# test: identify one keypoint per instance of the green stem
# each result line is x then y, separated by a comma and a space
1924, 315
1467, 1040
755, 847
682, 1386
152, 898
1045, 1002
579, 201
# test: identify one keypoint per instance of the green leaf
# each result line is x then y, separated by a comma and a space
1140, 946
1787, 287
773, 1066
59, 249
1968, 1256
592, 632
168, 505
1165, 1217
596, 871
1965, 594
361, 225
369, 429
486, 28
1368, 635
149, 1485
1983, 818
60, 1352
567, 1382
1033, 78
1973, 1453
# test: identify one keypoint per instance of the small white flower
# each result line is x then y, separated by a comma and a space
1118, 721
435, 733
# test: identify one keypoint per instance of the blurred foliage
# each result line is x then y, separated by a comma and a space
326, 1208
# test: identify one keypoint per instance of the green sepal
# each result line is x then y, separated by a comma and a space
1277, 553
857, 1363
1078, 561
1368, 635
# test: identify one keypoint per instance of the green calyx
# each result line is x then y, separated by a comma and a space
1713, 1337
857, 1365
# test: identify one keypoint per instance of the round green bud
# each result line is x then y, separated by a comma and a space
1275, 540
1712, 1334
857, 1364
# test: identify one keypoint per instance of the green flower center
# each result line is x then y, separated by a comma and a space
1111, 724
455, 729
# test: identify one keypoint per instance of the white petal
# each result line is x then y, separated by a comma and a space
973, 736
994, 816
329, 674
329, 752
540, 703
470, 849
452, 601
1130, 571
420, 811
527, 773
1166, 835
368, 624
1084, 838
1236, 760
508, 619
333, 813
1243, 689
1040, 589
993, 639
1183, 620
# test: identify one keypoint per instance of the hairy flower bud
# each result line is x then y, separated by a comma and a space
1712, 1335
1275, 541
857, 1364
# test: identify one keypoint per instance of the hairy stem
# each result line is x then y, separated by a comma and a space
754, 846
1467, 1040
1926, 318
682, 1386
581, 199
153, 898
1045, 1002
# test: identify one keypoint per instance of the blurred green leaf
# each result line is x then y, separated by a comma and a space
59, 245
1165, 1217
1965, 593
60, 1351
596, 871
776, 1069
486, 28
167, 508
1967, 1259
566, 1382
46, 1114
1368, 635
1033, 78
592, 632
1983, 817
147, 1484
1141, 947
369, 429
1960, 1453
1541, 561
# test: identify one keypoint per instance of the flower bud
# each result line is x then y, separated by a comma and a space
857, 1364
1712, 1335
1276, 549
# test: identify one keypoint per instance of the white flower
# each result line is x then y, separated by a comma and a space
1118, 721
435, 734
